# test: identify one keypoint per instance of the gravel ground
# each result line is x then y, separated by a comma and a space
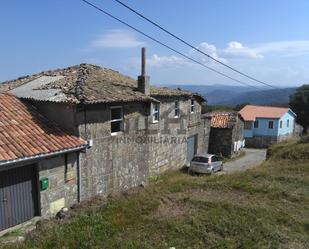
252, 158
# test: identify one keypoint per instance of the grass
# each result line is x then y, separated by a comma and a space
266, 207
239, 155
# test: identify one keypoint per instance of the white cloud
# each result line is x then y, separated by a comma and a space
158, 61
236, 49
208, 49
294, 47
117, 38
264, 60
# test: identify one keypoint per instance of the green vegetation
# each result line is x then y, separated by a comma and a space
211, 108
299, 102
266, 207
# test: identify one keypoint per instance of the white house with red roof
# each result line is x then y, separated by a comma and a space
265, 125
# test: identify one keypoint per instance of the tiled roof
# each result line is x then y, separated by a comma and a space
220, 119
251, 112
26, 133
85, 82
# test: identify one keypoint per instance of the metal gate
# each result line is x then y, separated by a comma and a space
17, 196
191, 147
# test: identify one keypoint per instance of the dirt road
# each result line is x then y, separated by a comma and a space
252, 158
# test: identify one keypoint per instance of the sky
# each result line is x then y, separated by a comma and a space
267, 39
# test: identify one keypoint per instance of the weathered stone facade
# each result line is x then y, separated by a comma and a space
222, 140
175, 131
113, 163
142, 149
61, 172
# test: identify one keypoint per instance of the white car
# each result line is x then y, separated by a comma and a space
206, 164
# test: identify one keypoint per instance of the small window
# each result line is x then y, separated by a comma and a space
116, 120
256, 124
280, 124
192, 106
288, 123
271, 124
248, 125
176, 115
214, 159
155, 112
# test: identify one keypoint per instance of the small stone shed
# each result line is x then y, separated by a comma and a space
226, 133
39, 164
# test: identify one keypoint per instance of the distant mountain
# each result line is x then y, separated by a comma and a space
234, 95
266, 97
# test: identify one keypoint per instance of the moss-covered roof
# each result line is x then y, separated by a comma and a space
87, 83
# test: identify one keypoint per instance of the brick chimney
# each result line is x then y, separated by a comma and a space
143, 80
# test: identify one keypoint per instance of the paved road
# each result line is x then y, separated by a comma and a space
252, 158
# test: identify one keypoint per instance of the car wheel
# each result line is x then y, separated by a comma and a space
212, 172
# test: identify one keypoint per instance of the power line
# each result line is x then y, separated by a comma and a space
164, 45
193, 47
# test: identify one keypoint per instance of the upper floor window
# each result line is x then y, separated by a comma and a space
256, 124
271, 125
116, 119
155, 112
288, 123
192, 106
248, 125
176, 114
280, 124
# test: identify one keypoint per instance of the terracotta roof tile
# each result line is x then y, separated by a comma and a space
24, 132
221, 119
251, 112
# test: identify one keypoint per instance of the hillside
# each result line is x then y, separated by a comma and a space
268, 97
266, 207
233, 95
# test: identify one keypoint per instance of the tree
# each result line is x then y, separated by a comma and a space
299, 103
240, 106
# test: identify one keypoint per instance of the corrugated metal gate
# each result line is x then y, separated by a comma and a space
17, 196
191, 147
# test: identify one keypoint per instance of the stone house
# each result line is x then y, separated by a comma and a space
226, 133
266, 125
39, 164
133, 130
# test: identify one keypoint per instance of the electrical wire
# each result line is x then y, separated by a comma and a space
166, 46
193, 47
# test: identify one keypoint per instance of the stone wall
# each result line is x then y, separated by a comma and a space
172, 152
61, 172
260, 141
265, 141
114, 163
238, 132
220, 141
60, 113
143, 149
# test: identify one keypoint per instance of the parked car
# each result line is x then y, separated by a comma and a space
207, 164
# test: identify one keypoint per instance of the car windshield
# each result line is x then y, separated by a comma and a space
200, 159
